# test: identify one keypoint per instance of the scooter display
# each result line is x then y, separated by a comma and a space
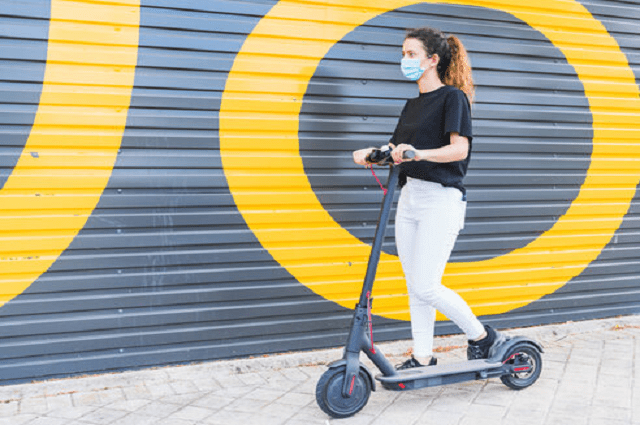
344, 389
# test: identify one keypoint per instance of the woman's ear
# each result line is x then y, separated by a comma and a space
434, 60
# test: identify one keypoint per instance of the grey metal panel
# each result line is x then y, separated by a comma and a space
166, 270
23, 51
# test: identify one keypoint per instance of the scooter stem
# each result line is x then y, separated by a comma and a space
358, 339
378, 239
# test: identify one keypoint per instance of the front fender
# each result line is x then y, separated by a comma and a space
343, 363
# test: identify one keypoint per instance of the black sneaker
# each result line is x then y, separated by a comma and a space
480, 349
412, 362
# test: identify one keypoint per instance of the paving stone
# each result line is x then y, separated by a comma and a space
43, 420
135, 419
73, 412
449, 403
128, 405
313, 413
495, 395
205, 384
192, 413
307, 422
158, 409
613, 396
158, 390
524, 403
523, 416
614, 381
601, 421
229, 381
559, 356
35, 405
103, 415
575, 392
59, 402
182, 399
86, 399
110, 395
213, 401
174, 421
307, 387
264, 394
18, 419
227, 417
552, 368
294, 374
379, 402
582, 362
570, 407
184, 387
235, 392
557, 419
279, 410
496, 413
610, 412
185, 373
440, 418
402, 411
545, 383
296, 399
252, 379
137, 392
625, 363
9, 409
246, 405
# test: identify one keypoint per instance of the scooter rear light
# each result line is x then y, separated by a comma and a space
401, 385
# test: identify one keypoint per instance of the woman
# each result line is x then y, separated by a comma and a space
436, 126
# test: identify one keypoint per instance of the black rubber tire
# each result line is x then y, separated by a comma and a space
329, 393
531, 355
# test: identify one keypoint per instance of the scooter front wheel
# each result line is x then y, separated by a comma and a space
329, 393
526, 362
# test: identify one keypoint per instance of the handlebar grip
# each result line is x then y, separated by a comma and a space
383, 157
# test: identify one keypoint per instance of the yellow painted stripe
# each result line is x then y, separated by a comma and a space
86, 92
300, 34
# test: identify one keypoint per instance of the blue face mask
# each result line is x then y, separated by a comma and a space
411, 69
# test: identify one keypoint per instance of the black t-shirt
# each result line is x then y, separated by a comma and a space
426, 123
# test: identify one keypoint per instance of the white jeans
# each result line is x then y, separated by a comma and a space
428, 220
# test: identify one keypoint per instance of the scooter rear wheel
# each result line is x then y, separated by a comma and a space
329, 393
522, 356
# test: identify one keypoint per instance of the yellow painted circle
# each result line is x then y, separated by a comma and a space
72, 147
259, 148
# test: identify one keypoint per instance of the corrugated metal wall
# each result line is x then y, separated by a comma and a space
123, 245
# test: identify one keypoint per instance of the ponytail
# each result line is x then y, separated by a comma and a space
458, 73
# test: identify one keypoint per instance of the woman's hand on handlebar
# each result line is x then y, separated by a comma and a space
398, 153
360, 156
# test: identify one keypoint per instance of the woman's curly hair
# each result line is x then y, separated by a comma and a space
454, 68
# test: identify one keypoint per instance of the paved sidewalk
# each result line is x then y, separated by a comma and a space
590, 376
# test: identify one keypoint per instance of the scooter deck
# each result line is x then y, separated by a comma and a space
430, 376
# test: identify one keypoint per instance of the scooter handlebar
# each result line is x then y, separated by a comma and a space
383, 156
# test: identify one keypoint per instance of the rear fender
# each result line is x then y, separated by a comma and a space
498, 351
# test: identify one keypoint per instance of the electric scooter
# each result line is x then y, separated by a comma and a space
344, 389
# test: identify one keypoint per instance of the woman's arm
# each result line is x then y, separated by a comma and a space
457, 150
